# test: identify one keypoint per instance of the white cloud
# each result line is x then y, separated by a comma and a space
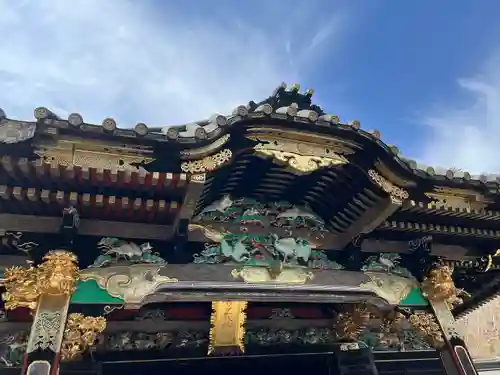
134, 62
467, 136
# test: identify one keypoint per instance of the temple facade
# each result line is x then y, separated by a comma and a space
274, 238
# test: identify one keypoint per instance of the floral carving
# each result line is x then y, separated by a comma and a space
208, 163
397, 194
426, 327
124, 341
351, 322
80, 334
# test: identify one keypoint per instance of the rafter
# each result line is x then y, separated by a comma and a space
369, 220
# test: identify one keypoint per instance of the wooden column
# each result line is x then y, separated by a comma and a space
454, 354
181, 223
193, 193
440, 290
46, 290
56, 281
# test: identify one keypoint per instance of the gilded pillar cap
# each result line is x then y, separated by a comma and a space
61, 256
58, 273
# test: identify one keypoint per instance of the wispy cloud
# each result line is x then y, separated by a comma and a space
467, 135
141, 61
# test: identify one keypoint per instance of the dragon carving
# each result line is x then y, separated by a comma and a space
439, 286
21, 284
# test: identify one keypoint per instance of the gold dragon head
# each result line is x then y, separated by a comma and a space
21, 287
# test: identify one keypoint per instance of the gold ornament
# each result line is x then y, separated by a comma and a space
228, 327
350, 323
301, 157
391, 321
396, 194
73, 155
208, 163
21, 287
58, 273
56, 276
438, 286
427, 328
80, 334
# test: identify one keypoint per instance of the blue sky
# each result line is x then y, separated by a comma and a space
425, 73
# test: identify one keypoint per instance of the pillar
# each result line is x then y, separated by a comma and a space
439, 289
56, 281
46, 290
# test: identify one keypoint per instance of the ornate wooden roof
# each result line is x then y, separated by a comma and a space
283, 148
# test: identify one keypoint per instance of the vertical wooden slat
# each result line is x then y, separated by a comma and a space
25, 167
32, 195
169, 177
5, 192
7, 165
155, 179
141, 177
17, 193
111, 205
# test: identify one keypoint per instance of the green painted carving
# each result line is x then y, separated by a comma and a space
293, 250
392, 281
257, 250
387, 263
143, 341
13, 348
115, 250
319, 260
414, 298
90, 292
250, 211
277, 336
403, 340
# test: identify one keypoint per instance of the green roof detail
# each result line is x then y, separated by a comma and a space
90, 292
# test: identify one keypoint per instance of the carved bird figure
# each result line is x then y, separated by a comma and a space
389, 260
220, 205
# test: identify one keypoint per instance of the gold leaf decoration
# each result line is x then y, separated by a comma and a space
438, 285
301, 157
227, 327
208, 163
427, 328
397, 194
80, 334
21, 288
57, 275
